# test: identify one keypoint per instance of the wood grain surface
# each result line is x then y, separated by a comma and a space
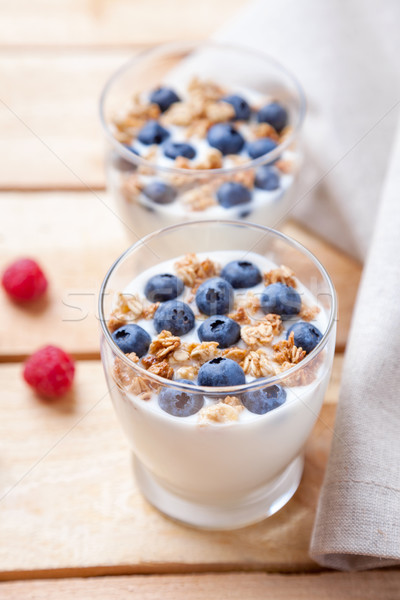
69, 503
78, 260
108, 23
236, 586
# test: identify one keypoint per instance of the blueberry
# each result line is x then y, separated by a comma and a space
152, 133
244, 214
242, 109
215, 297
175, 149
164, 97
219, 329
160, 192
260, 147
267, 178
280, 299
161, 288
306, 335
232, 194
121, 163
174, 316
180, 403
274, 114
241, 274
262, 401
221, 372
225, 138
132, 338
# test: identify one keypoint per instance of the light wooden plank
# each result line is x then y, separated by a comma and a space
69, 504
77, 236
51, 134
111, 22
251, 586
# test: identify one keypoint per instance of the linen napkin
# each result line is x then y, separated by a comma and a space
346, 57
358, 518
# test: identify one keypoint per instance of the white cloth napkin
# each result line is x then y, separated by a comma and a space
346, 55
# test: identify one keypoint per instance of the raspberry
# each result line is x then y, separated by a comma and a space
24, 280
50, 371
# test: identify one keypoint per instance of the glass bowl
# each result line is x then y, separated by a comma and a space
218, 475
193, 189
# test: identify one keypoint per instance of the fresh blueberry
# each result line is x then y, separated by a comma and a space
164, 97
121, 163
215, 297
244, 214
159, 192
221, 329
260, 147
174, 316
266, 178
175, 149
262, 401
180, 403
221, 372
152, 133
280, 299
241, 274
242, 109
232, 194
306, 335
132, 338
274, 114
161, 288
225, 138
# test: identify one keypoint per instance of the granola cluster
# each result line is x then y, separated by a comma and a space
202, 106
261, 352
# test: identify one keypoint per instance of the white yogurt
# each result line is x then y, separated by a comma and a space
222, 475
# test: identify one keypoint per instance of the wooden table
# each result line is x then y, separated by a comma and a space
71, 515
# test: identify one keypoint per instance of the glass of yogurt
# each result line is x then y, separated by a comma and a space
201, 132
217, 344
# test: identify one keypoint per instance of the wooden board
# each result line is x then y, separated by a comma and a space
66, 486
49, 118
102, 23
236, 586
77, 261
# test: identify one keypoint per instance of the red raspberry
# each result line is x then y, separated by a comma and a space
50, 371
24, 280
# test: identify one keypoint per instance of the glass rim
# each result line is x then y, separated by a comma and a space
258, 383
175, 46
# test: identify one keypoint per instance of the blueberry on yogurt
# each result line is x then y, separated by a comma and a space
215, 297
233, 194
241, 274
262, 401
221, 372
267, 178
260, 147
274, 114
175, 149
225, 138
174, 316
132, 338
221, 329
180, 403
280, 299
306, 335
163, 287
164, 97
159, 192
152, 133
242, 109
